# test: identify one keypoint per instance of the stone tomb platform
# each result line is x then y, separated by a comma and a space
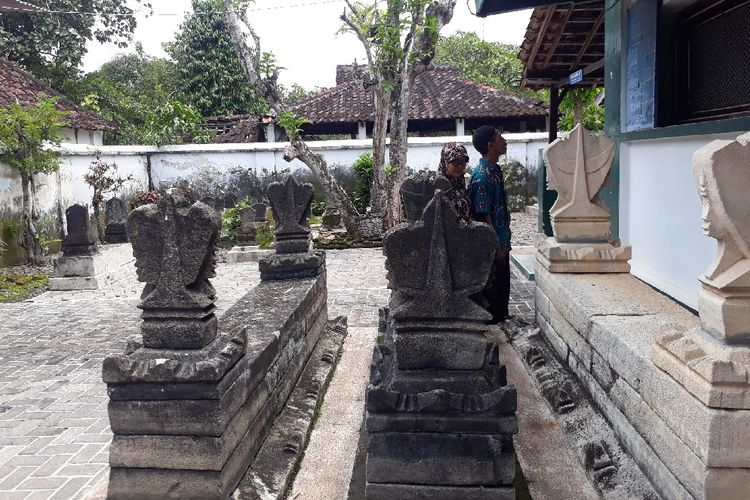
191, 429
603, 327
108, 264
248, 253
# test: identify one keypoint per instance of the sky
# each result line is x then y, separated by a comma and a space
302, 35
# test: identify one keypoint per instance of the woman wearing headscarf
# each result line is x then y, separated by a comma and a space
453, 160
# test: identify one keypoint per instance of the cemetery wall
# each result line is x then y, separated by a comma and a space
209, 161
660, 214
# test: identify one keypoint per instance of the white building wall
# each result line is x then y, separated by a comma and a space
660, 214
214, 160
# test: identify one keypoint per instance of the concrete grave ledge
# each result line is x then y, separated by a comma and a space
247, 253
603, 327
109, 264
196, 434
274, 467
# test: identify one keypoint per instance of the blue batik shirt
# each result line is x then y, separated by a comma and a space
487, 193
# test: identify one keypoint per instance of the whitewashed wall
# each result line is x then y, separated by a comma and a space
660, 214
210, 160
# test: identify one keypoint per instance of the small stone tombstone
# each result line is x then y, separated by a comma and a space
115, 232
260, 211
79, 240
290, 203
174, 244
246, 232
230, 200
331, 219
416, 193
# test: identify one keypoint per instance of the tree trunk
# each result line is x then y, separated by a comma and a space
98, 217
398, 150
336, 197
577, 109
29, 240
379, 134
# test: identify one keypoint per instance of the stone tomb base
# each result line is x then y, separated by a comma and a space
188, 424
108, 264
602, 257
603, 327
249, 253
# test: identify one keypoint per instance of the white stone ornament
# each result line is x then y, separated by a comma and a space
577, 168
713, 361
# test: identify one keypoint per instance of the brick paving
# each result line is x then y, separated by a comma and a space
54, 430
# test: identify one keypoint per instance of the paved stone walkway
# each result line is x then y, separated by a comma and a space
54, 432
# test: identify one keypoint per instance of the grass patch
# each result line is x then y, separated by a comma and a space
315, 220
17, 287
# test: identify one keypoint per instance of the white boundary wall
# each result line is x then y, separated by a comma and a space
212, 160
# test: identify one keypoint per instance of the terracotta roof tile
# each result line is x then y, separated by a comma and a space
234, 129
438, 94
17, 85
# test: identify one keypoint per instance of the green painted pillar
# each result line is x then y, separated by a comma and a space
545, 197
610, 194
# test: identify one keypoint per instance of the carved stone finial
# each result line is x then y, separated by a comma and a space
79, 240
175, 245
437, 263
722, 174
713, 362
291, 203
416, 193
115, 232
577, 166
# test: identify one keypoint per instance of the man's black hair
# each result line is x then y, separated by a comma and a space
482, 138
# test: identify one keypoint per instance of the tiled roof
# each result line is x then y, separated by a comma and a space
17, 85
234, 129
438, 94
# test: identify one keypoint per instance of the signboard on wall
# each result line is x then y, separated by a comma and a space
576, 77
640, 66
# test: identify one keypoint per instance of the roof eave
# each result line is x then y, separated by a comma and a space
490, 7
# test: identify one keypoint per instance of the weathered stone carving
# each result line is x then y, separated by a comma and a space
174, 245
577, 168
713, 362
437, 376
290, 203
416, 193
246, 232
79, 240
260, 211
116, 214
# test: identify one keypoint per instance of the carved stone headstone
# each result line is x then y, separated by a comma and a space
246, 232
577, 167
416, 193
713, 363
331, 219
260, 211
175, 245
437, 376
115, 211
290, 204
230, 200
79, 240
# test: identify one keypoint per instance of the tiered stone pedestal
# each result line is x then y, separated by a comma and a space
603, 327
595, 257
92, 272
188, 423
440, 420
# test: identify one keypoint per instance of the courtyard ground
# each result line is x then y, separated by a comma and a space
54, 431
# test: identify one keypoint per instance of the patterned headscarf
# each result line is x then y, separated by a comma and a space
458, 195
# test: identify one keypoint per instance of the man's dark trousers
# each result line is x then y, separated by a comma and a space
498, 295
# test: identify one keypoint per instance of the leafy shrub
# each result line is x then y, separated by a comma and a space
362, 168
318, 207
266, 234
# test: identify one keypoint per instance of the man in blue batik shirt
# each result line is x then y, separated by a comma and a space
489, 204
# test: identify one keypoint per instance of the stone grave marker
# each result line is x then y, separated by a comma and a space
440, 416
115, 211
79, 240
416, 193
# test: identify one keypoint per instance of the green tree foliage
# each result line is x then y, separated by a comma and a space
489, 63
174, 123
126, 89
52, 44
363, 171
580, 105
26, 136
211, 78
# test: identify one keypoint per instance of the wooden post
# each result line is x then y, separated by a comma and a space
554, 112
